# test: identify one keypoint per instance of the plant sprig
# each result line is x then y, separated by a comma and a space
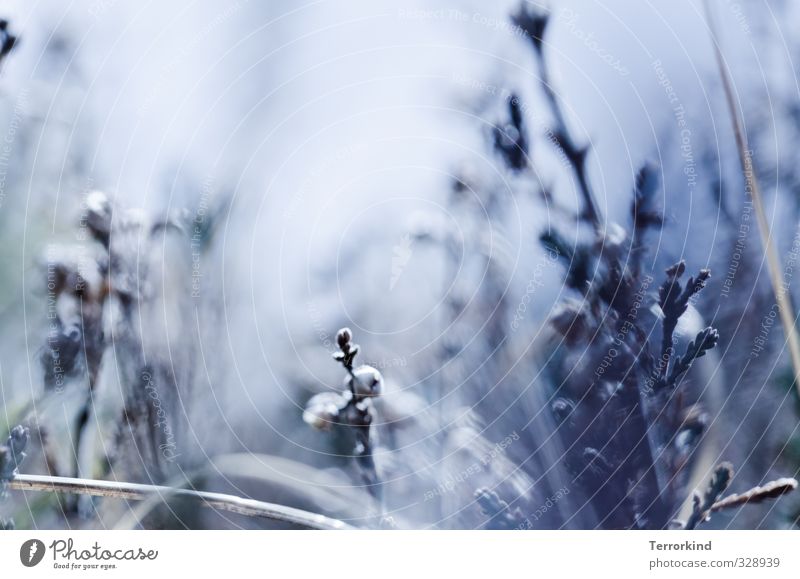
709, 501
673, 298
352, 408
12, 453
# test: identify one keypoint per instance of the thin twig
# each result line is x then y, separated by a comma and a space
534, 22
575, 154
139, 492
751, 183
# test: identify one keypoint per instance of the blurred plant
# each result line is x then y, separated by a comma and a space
533, 20
501, 516
7, 40
12, 453
510, 139
628, 422
99, 305
623, 406
351, 408
627, 425
78, 287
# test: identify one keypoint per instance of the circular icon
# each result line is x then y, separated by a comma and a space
31, 553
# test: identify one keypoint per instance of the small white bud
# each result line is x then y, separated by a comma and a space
367, 381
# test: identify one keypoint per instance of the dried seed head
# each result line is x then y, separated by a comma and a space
532, 20
562, 408
348, 350
343, 338
721, 479
366, 382
98, 216
322, 410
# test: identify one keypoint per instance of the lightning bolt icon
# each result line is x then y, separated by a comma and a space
34, 548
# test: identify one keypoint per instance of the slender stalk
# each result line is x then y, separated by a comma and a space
139, 492
751, 182
575, 155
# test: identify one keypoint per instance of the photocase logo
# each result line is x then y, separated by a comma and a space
401, 254
31, 553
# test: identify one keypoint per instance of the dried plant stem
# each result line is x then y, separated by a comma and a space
575, 155
771, 490
751, 183
138, 492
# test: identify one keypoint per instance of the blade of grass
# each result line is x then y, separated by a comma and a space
751, 183
140, 492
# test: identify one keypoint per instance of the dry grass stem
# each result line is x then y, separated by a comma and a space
139, 492
751, 184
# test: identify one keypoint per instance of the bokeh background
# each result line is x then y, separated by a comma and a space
319, 143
